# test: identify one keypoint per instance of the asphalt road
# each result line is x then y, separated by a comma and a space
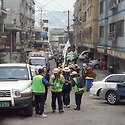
93, 112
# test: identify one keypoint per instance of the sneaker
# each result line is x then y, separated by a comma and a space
68, 106
65, 106
61, 111
43, 116
76, 108
53, 111
37, 115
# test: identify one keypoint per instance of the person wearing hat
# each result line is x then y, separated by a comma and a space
78, 91
66, 88
38, 88
84, 73
58, 80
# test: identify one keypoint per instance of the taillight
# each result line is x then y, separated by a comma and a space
90, 62
92, 84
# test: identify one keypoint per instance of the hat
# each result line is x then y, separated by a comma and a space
66, 69
76, 64
84, 65
74, 73
56, 70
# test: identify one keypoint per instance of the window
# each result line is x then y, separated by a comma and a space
1, 28
115, 78
84, 16
101, 32
101, 7
123, 78
84, 2
120, 28
91, 10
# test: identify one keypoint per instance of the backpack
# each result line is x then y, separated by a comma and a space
80, 82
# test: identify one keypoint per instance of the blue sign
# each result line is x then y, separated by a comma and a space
44, 34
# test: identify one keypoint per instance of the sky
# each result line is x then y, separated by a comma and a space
56, 10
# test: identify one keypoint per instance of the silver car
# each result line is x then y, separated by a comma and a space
94, 63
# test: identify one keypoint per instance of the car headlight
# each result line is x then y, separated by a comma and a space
17, 93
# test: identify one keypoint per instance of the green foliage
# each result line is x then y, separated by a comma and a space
2, 58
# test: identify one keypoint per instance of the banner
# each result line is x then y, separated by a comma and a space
65, 48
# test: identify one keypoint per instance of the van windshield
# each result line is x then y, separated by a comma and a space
20, 73
37, 62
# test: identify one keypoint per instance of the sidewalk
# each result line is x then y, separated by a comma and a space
100, 74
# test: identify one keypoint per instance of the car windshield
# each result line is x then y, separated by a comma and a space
37, 62
20, 73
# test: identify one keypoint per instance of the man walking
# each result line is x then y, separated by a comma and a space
58, 80
38, 87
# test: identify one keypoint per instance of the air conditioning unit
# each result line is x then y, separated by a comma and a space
113, 4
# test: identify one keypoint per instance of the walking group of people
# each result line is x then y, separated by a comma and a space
64, 78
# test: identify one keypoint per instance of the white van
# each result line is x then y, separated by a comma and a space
16, 87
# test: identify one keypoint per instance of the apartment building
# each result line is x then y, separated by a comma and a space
111, 33
86, 25
2, 17
20, 23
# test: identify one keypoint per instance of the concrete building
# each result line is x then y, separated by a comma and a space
57, 36
112, 33
86, 25
20, 23
3, 14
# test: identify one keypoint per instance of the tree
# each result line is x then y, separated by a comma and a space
2, 58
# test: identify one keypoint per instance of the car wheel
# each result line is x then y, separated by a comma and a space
97, 66
112, 98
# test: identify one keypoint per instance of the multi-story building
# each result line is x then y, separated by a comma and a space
112, 33
86, 25
20, 24
2, 17
57, 36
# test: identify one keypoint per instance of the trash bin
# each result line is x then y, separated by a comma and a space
89, 82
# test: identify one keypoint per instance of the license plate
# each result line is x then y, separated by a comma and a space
4, 104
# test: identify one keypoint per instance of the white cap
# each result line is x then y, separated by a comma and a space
56, 70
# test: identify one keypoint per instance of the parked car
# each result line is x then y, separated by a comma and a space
94, 63
83, 55
86, 56
110, 80
113, 93
16, 87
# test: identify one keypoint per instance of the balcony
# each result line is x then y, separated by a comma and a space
113, 4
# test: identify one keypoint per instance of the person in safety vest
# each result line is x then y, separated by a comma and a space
58, 80
78, 91
75, 57
38, 88
66, 87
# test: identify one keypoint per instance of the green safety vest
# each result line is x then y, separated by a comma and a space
38, 86
56, 88
76, 88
